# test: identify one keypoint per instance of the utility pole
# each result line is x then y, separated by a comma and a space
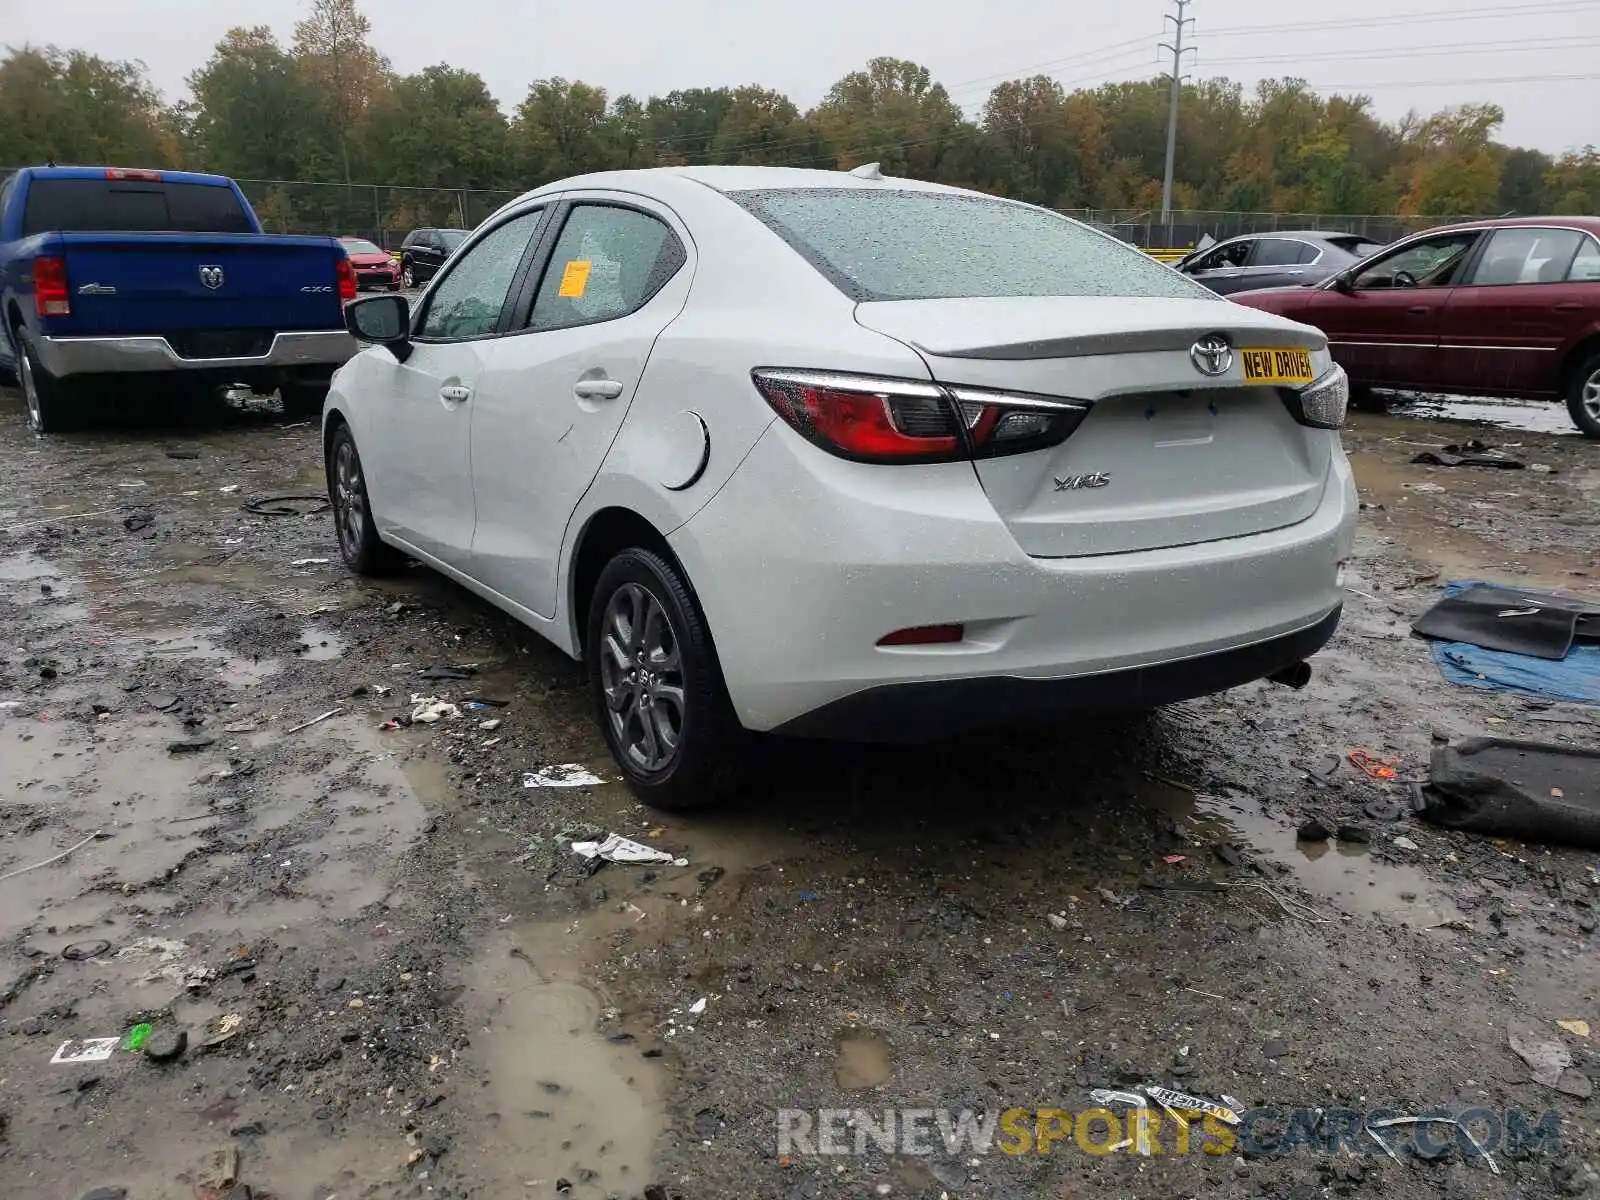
1181, 22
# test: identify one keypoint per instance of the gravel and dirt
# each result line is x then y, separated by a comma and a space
372, 966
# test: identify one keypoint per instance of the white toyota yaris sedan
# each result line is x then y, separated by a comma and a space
846, 456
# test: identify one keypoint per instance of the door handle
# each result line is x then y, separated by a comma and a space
455, 393
1420, 310
597, 389
1569, 306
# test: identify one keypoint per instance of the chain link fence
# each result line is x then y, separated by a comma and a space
385, 213
381, 213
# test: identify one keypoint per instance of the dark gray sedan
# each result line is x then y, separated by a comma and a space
1265, 260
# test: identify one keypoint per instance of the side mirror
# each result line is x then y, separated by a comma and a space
1345, 283
381, 321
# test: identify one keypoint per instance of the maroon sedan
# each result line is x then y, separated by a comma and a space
1488, 308
373, 265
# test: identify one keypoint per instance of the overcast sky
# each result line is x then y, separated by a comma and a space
1401, 51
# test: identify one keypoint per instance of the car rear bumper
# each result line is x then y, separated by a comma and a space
803, 562
912, 712
64, 356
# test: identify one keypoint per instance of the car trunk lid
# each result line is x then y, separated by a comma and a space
1166, 456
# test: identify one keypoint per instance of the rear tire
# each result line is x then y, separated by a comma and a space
656, 686
408, 275
50, 401
363, 551
301, 400
1583, 397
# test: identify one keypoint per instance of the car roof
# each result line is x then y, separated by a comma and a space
664, 181
77, 172
1588, 224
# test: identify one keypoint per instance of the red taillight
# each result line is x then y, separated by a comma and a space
127, 173
51, 297
347, 279
869, 419
924, 635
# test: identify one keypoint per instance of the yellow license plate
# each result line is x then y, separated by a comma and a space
1276, 366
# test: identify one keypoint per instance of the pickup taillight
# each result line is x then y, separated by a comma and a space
347, 279
51, 297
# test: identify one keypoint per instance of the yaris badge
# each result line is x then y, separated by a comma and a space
211, 277
1211, 355
1071, 483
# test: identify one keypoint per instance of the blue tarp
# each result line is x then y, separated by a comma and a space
1575, 678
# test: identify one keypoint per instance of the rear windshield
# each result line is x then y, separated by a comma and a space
904, 245
352, 246
128, 206
452, 237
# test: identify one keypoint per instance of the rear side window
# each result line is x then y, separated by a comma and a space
906, 245
1586, 266
1281, 252
607, 263
126, 206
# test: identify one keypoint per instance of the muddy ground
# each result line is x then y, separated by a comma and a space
395, 980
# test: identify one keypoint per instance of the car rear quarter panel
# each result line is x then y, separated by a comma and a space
753, 303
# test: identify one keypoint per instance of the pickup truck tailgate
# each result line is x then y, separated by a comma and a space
211, 284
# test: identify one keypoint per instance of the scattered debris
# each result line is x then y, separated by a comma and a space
134, 522
224, 1169
309, 562
1373, 768
1535, 791
1577, 1028
1546, 1059
562, 775
1471, 453
436, 673
1312, 830
1390, 1122
80, 951
618, 849
430, 709
165, 1045
136, 1037
85, 1050
698, 1007
188, 745
1404, 843
1356, 835
288, 506
332, 712
55, 858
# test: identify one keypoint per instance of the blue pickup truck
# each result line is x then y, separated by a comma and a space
112, 278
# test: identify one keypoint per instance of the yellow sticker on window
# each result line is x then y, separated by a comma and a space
575, 278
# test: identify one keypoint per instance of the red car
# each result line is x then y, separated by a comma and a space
1489, 308
373, 265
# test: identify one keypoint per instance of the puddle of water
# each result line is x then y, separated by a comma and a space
318, 644
26, 568
862, 1059
234, 670
559, 1101
1343, 876
1531, 416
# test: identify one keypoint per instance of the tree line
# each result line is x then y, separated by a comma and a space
328, 108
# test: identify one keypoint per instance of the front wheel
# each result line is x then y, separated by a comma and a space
363, 551
408, 277
1583, 397
656, 687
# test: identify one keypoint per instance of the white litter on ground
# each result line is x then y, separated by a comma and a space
619, 849
562, 775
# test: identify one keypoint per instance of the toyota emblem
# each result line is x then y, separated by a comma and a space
1212, 355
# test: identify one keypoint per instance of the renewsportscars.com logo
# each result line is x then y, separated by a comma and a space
1479, 1132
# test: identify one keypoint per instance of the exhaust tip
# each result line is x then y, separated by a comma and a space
1295, 677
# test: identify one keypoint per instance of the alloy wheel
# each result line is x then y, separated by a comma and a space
349, 499
641, 672
408, 278
1591, 396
